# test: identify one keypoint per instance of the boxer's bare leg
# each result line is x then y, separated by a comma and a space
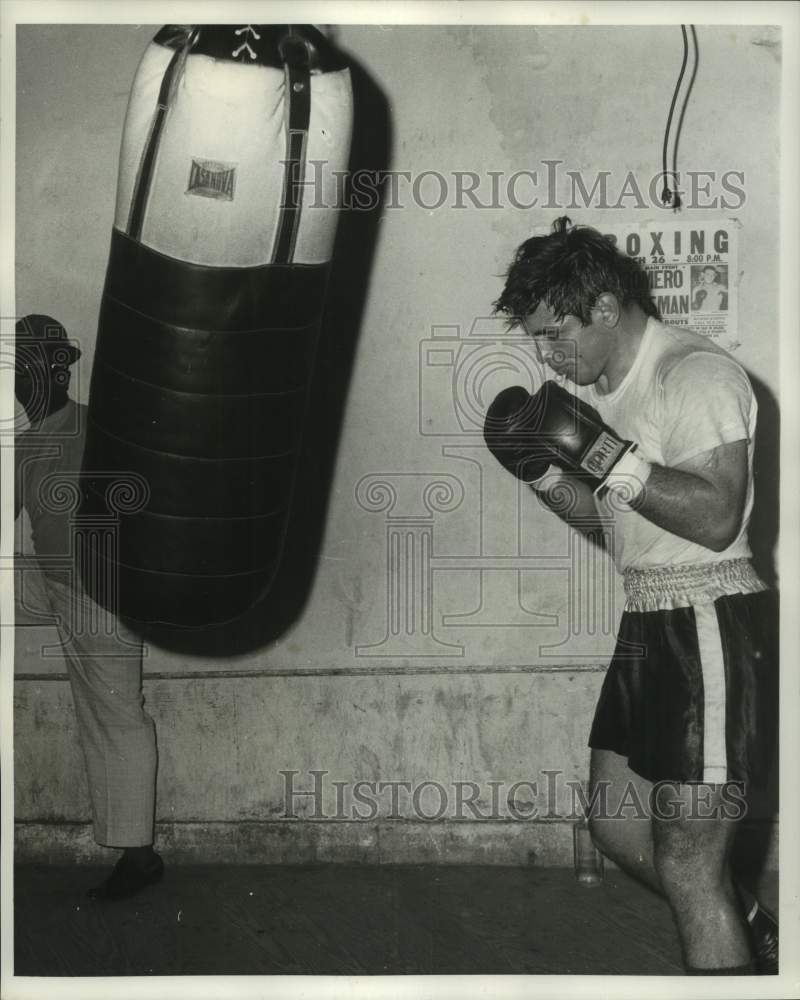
691, 854
621, 833
630, 844
686, 858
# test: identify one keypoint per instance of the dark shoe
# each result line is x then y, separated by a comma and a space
764, 939
126, 879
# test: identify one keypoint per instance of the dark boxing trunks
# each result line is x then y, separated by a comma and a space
691, 694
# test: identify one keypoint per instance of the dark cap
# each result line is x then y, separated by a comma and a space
38, 330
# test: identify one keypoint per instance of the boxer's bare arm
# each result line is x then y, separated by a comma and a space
701, 500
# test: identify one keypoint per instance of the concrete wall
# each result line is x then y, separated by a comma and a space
483, 671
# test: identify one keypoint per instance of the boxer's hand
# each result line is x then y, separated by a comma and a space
511, 435
578, 441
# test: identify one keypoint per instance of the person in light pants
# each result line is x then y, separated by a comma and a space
102, 654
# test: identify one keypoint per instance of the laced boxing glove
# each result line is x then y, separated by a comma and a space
577, 440
511, 435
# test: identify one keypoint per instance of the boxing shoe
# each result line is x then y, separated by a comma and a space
128, 878
764, 941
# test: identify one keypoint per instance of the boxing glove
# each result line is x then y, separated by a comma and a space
576, 439
511, 435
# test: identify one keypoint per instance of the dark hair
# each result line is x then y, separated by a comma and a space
568, 270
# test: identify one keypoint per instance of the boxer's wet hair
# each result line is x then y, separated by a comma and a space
568, 270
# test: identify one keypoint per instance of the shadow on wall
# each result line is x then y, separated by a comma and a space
756, 836
766, 467
347, 291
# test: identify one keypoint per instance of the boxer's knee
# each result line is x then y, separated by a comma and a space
690, 860
607, 835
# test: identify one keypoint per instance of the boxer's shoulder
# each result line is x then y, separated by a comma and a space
681, 354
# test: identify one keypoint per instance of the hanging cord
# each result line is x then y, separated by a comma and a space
676, 200
669, 197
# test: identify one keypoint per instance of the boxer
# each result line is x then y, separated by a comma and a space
653, 442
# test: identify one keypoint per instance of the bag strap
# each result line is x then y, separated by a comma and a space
298, 55
144, 175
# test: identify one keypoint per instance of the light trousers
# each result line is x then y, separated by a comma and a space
104, 664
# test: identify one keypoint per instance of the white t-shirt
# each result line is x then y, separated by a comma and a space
682, 396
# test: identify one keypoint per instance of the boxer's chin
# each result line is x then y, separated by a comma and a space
566, 373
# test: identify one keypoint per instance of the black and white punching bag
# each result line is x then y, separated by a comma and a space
235, 143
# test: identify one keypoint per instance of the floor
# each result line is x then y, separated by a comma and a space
336, 919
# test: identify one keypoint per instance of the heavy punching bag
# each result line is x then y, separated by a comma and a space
235, 143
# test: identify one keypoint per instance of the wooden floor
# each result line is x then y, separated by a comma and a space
338, 919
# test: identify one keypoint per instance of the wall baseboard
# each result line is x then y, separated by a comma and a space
302, 842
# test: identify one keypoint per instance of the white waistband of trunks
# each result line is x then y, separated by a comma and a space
665, 587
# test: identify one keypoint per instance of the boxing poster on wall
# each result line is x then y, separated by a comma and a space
692, 268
